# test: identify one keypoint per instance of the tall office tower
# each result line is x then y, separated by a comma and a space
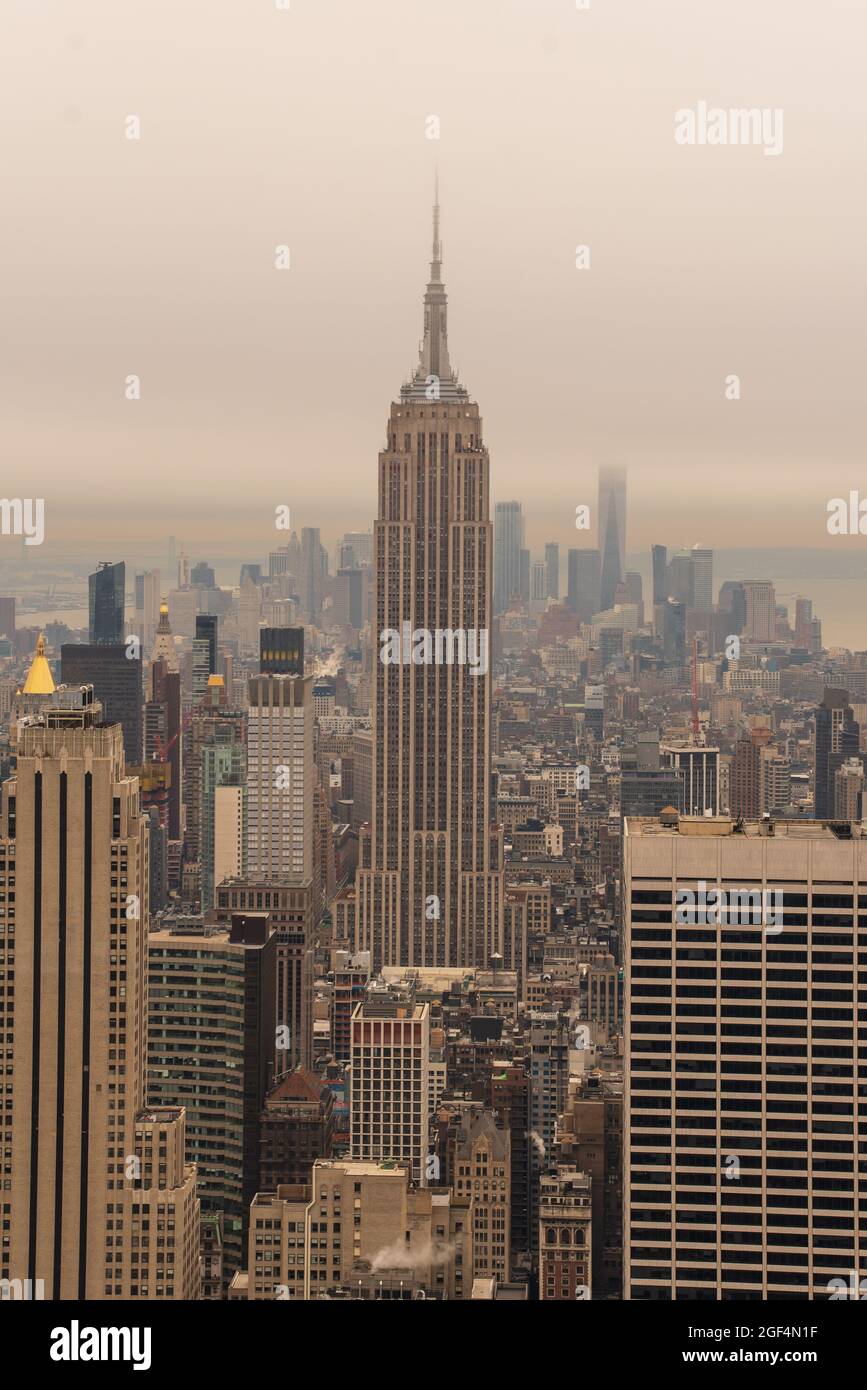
508, 544
165, 1208
702, 578
211, 1050
761, 611
389, 1102
837, 738
313, 573
733, 601
565, 1236
105, 595
538, 581
278, 562
659, 560
158, 878
552, 566
508, 1095
680, 579
206, 631
164, 736
611, 519
849, 790
7, 617
803, 622
482, 1174
745, 786
350, 597
147, 606
776, 781
293, 917
699, 770
589, 1140
281, 651
115, 672
646, 788
296, 1128
212, 722
754, 1193
353, 549
351, 976
672, 614
524, 580
280, 778
547, 1038
430, 878
204, 653
584, 579
73, 861
224, 823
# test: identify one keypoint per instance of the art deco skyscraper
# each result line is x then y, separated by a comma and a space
76, 1174
430, 882
611, 518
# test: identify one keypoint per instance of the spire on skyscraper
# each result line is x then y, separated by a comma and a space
434, 378
164, 642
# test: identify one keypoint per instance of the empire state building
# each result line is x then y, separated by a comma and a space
430, 885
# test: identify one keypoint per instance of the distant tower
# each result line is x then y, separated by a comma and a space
612, 530
164, 642
106, 603
508, 543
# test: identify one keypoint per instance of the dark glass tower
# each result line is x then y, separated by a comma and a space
105, 603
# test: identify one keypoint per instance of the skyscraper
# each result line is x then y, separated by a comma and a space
740, 1133
430, 879
75, 1163
659, 557
280, 778
552, 564
702, 578
761, 615
508, 544
115, 672
105, 594
584, 573
281, 651
837, 739
147, 606
611, 517
211, 1015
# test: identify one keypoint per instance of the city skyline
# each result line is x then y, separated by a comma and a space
240, 360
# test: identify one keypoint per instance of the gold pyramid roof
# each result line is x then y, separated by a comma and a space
39, 678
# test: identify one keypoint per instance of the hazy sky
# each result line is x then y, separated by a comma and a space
307, 127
